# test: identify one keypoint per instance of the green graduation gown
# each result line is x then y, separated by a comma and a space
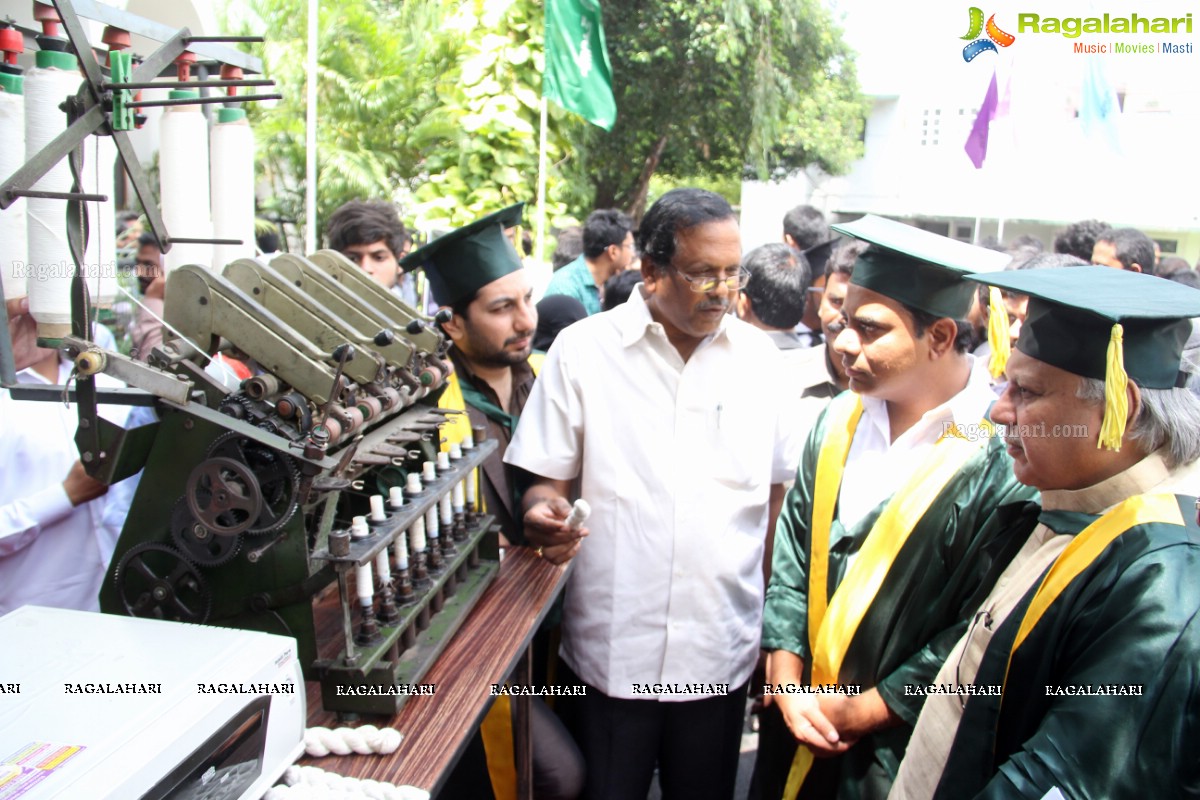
945, 569
1132, 617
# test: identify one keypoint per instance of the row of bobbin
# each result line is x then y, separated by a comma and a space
421, 551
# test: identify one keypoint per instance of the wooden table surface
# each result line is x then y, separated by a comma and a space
484, 651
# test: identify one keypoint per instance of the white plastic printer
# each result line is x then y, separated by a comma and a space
101, 706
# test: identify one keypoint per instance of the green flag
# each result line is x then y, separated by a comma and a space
578, 76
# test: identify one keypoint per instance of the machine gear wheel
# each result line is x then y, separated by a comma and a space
237, 406
200, 545
224, 496
157, 582
277, 474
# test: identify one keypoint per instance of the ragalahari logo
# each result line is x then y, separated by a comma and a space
995, 36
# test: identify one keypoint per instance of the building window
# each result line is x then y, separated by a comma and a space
931, 127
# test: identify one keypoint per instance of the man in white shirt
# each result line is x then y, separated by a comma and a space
671, 415
58, 526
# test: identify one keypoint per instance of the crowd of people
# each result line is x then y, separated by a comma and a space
977, 582
928, 507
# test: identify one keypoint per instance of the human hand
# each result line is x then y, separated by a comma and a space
811, 727
81, 487
157, 288
546, 529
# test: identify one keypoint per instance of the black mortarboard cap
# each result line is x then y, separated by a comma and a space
918, 268
1107, 324
463, 261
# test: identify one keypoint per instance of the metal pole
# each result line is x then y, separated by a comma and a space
538, 247
310, 136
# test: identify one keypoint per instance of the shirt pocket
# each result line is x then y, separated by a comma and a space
740, 443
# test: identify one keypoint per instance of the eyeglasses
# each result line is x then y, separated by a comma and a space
984, 616
708, 283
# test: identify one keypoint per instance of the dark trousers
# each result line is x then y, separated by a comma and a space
694, 744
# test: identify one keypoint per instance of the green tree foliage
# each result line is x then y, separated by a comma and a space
482, 138
715, 89
432, 103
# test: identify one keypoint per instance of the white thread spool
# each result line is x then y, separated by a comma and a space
400, 547
455, 451
100, 256
416, 535
377, 512
472, 489
359, 528
183, 182
383, 567
364, 579
365, 583
395, 497
457, 497
49, 286
443, 461
232, 186
431, 524
14, 235
428, 471
468, 442
579, 514
447, 510
413, 485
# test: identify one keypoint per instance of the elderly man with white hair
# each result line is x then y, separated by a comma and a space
1080, 674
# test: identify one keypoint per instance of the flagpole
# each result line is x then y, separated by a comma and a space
538, 247
310, 134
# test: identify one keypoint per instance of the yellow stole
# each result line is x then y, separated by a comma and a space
833, 623
1087, 545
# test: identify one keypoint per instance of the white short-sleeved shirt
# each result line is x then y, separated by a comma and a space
52, 553
676, 460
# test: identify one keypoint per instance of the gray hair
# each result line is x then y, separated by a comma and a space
1168, 418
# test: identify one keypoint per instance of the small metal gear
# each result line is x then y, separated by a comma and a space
200, 545
277, 475
224, 495
157, 582
237, 406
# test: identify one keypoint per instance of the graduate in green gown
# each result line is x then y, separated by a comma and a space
888, 540
1092, 636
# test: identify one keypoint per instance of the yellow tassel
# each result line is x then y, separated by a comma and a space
998, 333
1116, 398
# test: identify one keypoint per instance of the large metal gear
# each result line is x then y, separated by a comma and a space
224, 496
277, 475
158, 582
200, 545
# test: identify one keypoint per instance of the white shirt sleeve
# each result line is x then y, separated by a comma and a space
549, 438
23, 518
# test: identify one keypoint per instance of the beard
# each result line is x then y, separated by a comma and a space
488, 355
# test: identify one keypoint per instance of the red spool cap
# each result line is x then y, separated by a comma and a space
231, 73
12, 43
48, 16
184, 65
116, 39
